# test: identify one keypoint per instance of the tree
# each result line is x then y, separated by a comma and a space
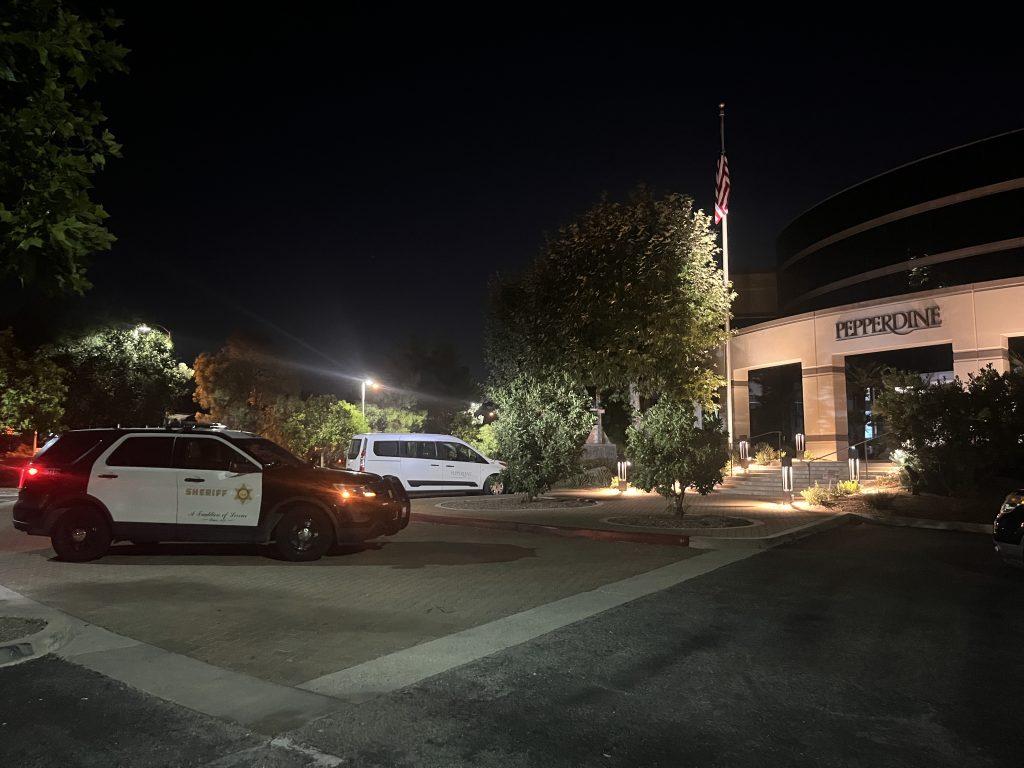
244, 386
322, 426
541, 429
430, 378
54, 142
387, 419
32, 389
122, 376
626, 297
670, 452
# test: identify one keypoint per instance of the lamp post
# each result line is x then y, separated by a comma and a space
363, 385
787, 476
853, 458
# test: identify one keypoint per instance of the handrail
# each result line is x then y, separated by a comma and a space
778, 432
808, 462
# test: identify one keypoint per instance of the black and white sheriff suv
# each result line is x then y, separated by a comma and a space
88, 488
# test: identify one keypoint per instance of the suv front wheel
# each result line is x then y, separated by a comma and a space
80, 535
304, 533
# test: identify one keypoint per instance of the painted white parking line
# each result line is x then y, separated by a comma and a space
406, 667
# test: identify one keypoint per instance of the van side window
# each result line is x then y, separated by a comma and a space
420, 449
385, 447
447, 452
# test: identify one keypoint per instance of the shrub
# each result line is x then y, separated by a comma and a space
845, 488
598, 476
817, 495
544, 421
765, 454
671, 453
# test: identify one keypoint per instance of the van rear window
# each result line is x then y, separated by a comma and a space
354, 447
385, 448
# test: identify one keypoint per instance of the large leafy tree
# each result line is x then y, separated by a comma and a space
388, 419
32, 389
540, 432
243, 385
53, 142
122, 376
321, 426
628, 296
671, 452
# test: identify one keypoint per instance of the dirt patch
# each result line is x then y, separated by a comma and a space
512, 503
14, 627
689, 522
924, 506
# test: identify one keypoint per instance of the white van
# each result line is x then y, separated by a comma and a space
426, 462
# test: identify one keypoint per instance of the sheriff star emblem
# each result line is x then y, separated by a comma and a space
243, 494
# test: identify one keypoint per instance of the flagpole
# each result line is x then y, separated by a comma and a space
725, 277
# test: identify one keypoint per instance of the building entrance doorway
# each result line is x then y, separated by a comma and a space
864, 382
776, 403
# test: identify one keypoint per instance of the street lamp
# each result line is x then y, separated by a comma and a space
364, 384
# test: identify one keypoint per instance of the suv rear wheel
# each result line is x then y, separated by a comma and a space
80, 535
304, 533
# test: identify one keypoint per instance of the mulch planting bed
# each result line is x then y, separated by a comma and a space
512, 503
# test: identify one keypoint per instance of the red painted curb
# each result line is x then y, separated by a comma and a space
635, 537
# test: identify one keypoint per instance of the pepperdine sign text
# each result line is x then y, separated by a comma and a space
900, 323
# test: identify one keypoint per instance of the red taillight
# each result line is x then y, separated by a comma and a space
26, 473
362, 461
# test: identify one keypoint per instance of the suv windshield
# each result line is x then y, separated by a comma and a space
269, 453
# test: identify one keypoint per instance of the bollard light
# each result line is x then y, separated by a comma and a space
854, 462
787, 474
744, 450
801, 442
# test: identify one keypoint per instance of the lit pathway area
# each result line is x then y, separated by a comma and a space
863, 646
769, 518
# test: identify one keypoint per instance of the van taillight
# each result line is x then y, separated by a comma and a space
362, 460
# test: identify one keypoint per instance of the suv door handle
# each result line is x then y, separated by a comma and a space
194, 480
107, 477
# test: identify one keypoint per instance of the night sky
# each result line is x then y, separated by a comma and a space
352, 182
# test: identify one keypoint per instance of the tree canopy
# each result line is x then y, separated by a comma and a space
241, 385
121, 376
322, 426
54, 141
629, 294
32, 389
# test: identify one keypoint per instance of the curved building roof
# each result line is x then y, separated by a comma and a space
950, 218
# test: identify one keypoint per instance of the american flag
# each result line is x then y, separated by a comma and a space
722, 190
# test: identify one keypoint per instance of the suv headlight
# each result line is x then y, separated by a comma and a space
353, 491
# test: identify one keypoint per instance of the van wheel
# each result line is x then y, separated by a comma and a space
304, 533
494, 486
81, 535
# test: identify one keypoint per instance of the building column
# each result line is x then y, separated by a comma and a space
825, 424
740, 406
966, 361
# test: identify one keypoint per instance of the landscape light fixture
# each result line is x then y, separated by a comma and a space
854, 462
801, 442
787, 475
624, 475
744, 450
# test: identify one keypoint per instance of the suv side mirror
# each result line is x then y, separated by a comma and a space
241, 467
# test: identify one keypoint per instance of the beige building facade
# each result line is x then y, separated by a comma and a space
978, 320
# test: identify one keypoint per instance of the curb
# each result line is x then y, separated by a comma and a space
917, 522
634, 537
777, 539
58, 631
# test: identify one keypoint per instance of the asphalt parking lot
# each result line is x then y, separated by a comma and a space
864, 645
235, 608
